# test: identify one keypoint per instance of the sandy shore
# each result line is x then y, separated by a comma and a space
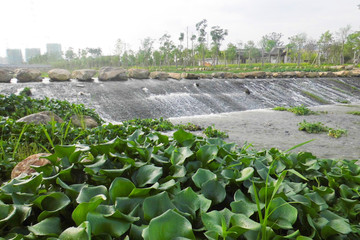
266, 128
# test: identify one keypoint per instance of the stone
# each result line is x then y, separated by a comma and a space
288, 74
341, 73
240, 75
340, 67
326, 74
84, 74
190, 76
176, 76
41, 118
84, 121
24, 167
5, 75
257, 74
113, 74
205, 76
59, 75
219, 75
312, 74
138, 73
354, 73
28, 75
299, 74
159, 75
349, 67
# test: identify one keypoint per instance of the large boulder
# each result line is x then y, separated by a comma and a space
256, 74
176, 76
59, 75
84, 121
112, 74
138, 73
41, 118
5, 75
189, 76
342, 73
355, 73
24, 167
220, 75
83, 74
159, 75
312, 74
28, 75
288, 74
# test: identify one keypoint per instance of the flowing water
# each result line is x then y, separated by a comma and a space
118, 101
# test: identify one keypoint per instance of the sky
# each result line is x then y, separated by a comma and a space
94, 23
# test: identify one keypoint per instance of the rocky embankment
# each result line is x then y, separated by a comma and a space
121, 74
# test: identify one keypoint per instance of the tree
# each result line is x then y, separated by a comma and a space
166, 46
180, 47
298, 40
145, 52
343, 34
353, 43
231, 52
70, 54
95, 52
201, 28
251, 50
217, 35
193, 37
324, 43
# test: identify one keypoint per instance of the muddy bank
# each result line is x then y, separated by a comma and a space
265, 129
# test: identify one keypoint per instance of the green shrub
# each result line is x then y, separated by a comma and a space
316, 127
211, 132
354, 113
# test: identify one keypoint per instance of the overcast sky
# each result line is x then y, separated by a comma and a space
93, 23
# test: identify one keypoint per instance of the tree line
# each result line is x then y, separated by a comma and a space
204, 48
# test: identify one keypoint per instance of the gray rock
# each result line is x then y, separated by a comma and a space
28, 75
159, 75
5, 75
190, 76
41, 118
139, 73
59, 75
176, 76
84, 121
112, 74
84, 74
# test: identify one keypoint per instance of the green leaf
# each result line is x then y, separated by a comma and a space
6, 213
47, 227
169, 225
282, 213
76, 233
188, 201
120, 187
102, 225
246, 173
206, 154
241, 224
218, 221
87, 193
202, 176
214, 191
179, 155
184, 138
51, 203
81, 211
148, 174
334, 227
156, 205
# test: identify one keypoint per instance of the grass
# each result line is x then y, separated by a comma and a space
357, 113
319, 127
315, 97
297, 110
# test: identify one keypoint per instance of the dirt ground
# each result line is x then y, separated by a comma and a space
266, 128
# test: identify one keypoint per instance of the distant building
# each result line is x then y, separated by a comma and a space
14, 56
53, 50
31, 52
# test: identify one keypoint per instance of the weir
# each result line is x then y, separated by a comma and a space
124, 100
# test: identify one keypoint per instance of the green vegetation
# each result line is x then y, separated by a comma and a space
319, 127
357, 113
211, 132
131, 182
315, 97
297, 110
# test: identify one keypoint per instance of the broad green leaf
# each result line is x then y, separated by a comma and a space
214, 191
126, 204
282, 213
6, 213
26, 185
169, 225
246, 173
334, 227
188, 201
76, 233
110, 225
88, 192
113, 173
241, 224
64, 151
179, 155
184, 138
120, 187
156, 205
218, 221
47, 227
206, 154
51, 203
245, 207
202, 176
97, 166
148, 174
81, 211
